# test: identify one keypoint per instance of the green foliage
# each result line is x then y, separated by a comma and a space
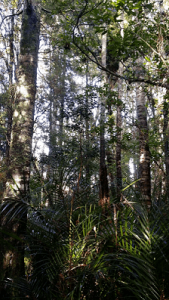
121, 254
75, 249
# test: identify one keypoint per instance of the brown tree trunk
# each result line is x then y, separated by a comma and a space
61, 125
17, 184
119, 135
111, 156
144, 167
87, 166
104, 190
166, 144
111, 161
118, 152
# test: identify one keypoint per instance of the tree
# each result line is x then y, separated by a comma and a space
144, 167
104, 190
18, 173
23, 115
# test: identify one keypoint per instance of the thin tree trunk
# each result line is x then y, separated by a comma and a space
87, 128
144, 167
118, 152
11, 91
119, 128
166, 144
119, 136
104, 190
110, 161
87, 121
61, 126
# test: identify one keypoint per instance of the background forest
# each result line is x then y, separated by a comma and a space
84, 149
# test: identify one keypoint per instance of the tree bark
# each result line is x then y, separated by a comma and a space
166, 144
119, 136
23, 116
104, 190
87, 166
118, 153
144, 167
11, 91
110, 162
17, 184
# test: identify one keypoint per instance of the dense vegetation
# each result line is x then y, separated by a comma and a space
84, 149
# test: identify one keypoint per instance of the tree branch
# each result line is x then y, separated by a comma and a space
116, 75
87, 51
45, 10
9, 16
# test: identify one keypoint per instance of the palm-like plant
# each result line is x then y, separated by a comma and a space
119, 255
159, 220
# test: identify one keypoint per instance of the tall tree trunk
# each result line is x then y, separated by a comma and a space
111, 156
144, 167
56, 123
104, 190
17, 184
166, 143
118, 152
119, 134
110, 162
11, 90
10, 100
23, 117
119, 127
61, 126
87, 167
